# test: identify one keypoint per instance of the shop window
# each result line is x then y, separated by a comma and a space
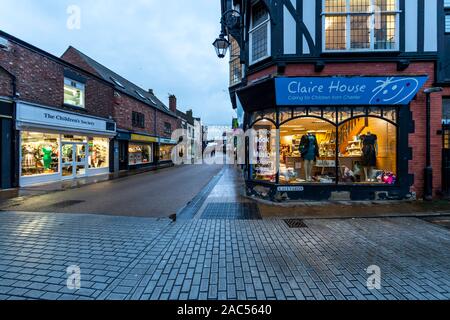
165, 153
139, 154
98, 153
446, 110
40, 153
263, 152
259, 33
361, 25
308, 151
138, 119
74, 93
368, 151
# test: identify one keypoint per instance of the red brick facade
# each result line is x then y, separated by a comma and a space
40, 80
416, 139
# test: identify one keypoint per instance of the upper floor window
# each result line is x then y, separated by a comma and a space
259, 33
167, 128
235, 63
138, 119
74, 92
447, 15
361, 25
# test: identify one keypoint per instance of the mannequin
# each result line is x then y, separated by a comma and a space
309, 149
369, 151
47, 159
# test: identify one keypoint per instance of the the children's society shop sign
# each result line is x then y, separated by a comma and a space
54, 118
348, 90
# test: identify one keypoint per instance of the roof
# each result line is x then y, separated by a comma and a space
123, 85
185, 117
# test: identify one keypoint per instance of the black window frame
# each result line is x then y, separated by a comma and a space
167, 128
138, 119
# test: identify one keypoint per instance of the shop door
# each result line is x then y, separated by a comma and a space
123, 155
446, 159
73, 160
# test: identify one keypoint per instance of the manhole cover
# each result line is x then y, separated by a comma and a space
295, 223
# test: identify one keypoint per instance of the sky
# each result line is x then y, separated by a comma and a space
165, 45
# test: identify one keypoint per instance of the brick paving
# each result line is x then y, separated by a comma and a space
215, 252
146, 258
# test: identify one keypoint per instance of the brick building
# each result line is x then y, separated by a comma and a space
335, 91
62, 120
144, 123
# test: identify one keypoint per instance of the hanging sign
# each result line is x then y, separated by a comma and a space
348, 90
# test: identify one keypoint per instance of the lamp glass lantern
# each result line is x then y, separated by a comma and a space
221, 45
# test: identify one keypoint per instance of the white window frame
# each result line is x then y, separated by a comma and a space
266, 24
348, 14
79, 86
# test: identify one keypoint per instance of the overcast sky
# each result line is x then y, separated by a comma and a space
159, 44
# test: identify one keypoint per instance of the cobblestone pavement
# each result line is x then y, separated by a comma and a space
147, 258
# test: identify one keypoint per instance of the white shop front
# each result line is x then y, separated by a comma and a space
56, 145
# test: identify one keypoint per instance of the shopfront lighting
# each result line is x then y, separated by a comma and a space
221, 45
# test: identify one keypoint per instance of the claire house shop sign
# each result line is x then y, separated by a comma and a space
348, 90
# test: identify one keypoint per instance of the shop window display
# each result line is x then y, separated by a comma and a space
165, 153
263, 153
40, 153
139, 154
98, 153
307, 151
368, 151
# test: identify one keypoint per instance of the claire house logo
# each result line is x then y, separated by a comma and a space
374, 280
74, 18
73, 278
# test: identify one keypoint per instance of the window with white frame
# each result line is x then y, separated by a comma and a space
259, 33
361, 25
74, 92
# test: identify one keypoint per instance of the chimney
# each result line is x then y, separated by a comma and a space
173, 103
150, 91
189, 114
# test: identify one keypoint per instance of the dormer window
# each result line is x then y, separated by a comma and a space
259, 33
141, 95
74, 93
361, 25
117, 83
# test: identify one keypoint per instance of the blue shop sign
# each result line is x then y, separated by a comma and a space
348, 90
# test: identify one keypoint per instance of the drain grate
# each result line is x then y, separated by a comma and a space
295, 223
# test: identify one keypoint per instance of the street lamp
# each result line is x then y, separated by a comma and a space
221, 45
428, 188
231, 25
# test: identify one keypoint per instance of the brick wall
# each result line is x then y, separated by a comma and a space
5, 84
40, 80
417, 139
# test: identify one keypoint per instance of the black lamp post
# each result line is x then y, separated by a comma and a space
428, 173
221, 44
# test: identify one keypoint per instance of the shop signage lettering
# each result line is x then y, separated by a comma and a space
41, 116
291, 189
68, 119
348, 90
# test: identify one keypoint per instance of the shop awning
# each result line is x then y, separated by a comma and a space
259, 95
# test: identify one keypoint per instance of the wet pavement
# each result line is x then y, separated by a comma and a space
154, 194
222, 246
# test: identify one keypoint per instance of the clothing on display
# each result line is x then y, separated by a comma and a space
369, 150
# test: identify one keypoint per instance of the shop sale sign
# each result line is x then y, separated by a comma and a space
348, 90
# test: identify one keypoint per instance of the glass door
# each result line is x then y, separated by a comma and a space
73, 160
67, 160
